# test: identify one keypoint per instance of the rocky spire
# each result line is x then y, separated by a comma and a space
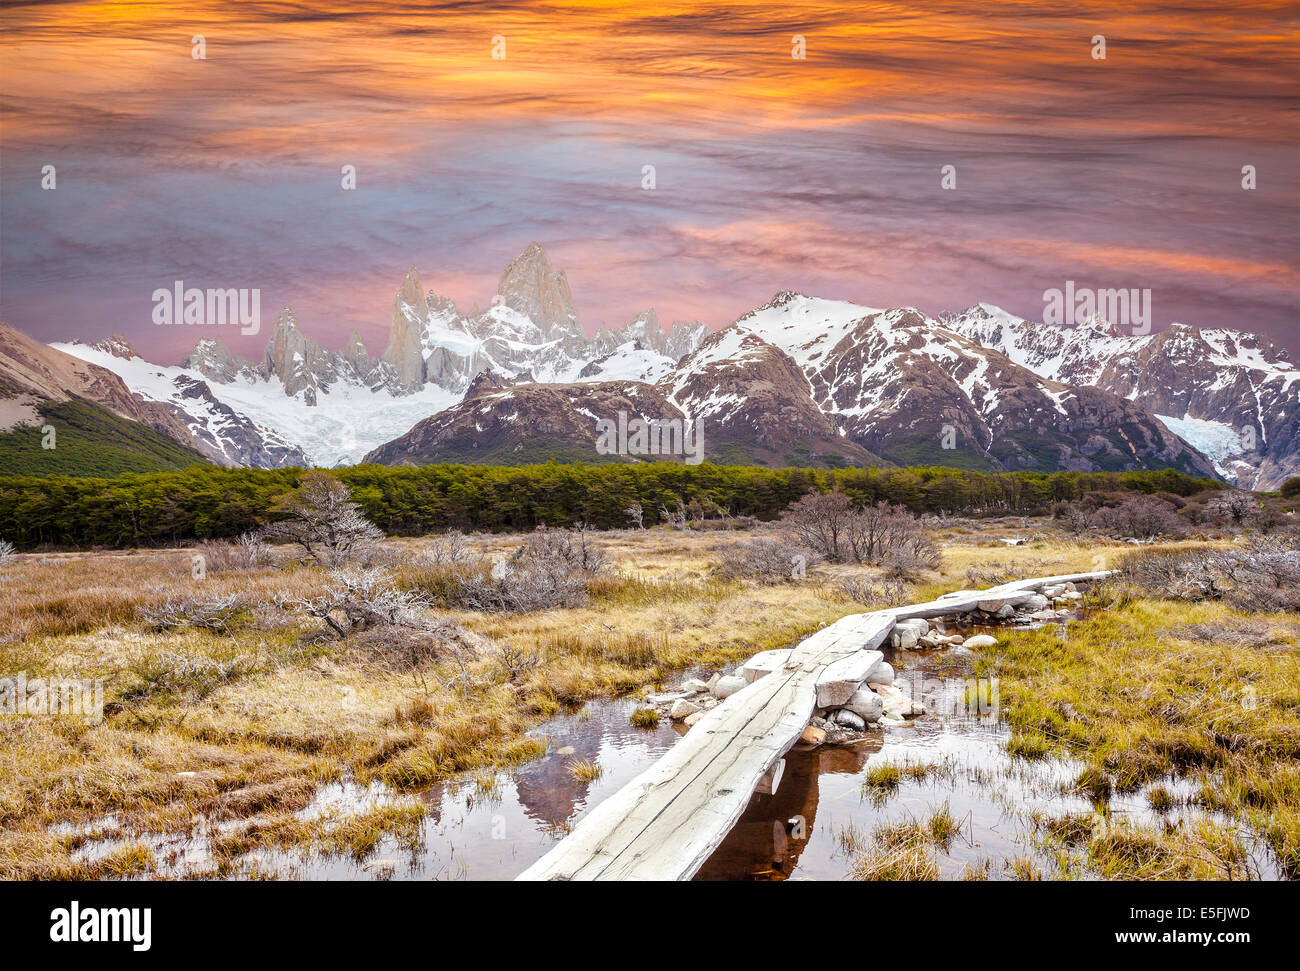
535, 288
213, 360
404, 354
301, 364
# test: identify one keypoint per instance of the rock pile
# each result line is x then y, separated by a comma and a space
858, 693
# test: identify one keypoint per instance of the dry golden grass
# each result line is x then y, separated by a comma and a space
1140, 695
245, 728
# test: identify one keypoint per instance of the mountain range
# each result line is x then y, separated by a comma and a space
799, 381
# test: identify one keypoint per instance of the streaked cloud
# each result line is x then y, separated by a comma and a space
773, 173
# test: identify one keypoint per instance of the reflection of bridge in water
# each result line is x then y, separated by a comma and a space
668, 822
775, 827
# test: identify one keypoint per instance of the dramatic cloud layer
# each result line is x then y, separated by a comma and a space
821, 175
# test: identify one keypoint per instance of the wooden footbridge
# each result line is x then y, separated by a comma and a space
665, 823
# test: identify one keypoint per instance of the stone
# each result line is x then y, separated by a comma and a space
690, 720
882, 673
903, 640
763, 664
1034, 603
681, 709
866, 704
1043, 615
992, 606
1005, 611
930, 642
1071, 595
841, 678
893, 720
713, 681
666, 698
728, 686
694, 686
898, 704
956, 639
850, 719
981, 640
1054, 590
812, 736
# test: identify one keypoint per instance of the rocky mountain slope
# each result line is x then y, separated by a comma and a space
804, 381
1232, 394
798, 381
303, 403
99, 426
503, 422
916, 393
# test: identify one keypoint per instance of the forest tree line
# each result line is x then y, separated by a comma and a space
203, 501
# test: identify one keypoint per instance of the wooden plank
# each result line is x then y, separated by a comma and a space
1018, 591
771, 780
837, 682
666, 822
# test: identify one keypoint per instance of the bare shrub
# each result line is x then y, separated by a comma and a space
989, 574
361, 598
521, 586
1233, 508
221, 615
1181, 574
888, 590
830, 524
635, 515
324, 522
515, 662
248, 552
570, 549
254, 550
1263, 574
452, 547
1142, 517
404, 648
675, 517
6, 551
551, 569
184, 674
1074, 518
766, 560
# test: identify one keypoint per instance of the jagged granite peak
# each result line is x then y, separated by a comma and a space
404, 355
211, 358
300, 363
534, 288
358, 359
116, 345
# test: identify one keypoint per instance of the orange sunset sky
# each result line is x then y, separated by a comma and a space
819, 174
